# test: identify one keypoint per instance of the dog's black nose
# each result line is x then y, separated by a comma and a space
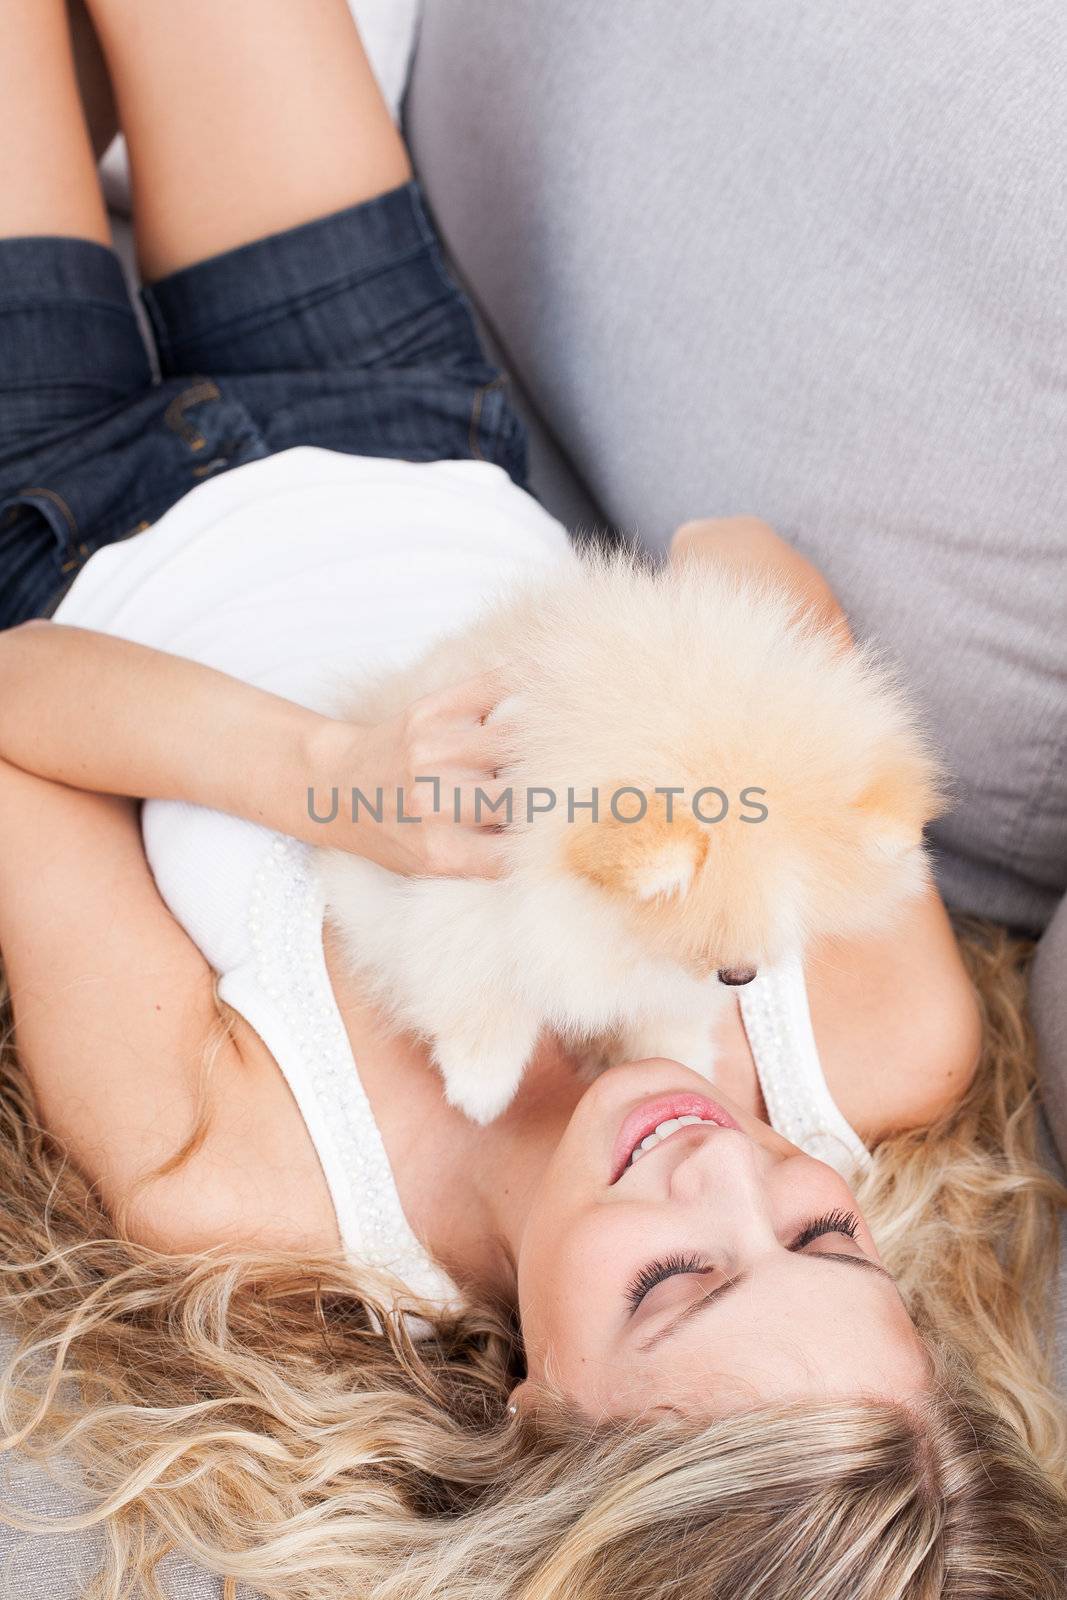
736, 976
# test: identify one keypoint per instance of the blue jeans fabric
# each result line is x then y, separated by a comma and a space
347, 333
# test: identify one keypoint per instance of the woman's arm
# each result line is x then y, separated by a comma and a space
103, 714
747, 545
115, 1012
895, 1014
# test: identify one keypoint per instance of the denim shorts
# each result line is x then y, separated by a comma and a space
347, 333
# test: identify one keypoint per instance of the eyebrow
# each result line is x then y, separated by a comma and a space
715, 1295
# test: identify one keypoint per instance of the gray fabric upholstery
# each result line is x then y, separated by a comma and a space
806, 262
552, 476
59, 1566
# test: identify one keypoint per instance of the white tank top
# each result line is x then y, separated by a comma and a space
292, 573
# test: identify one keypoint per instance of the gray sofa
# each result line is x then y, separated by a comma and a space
807, 262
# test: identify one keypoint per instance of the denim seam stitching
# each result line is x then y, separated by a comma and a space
71, 553
477, 405
282, 307
65, 385
50, 494
123, 310
198, 393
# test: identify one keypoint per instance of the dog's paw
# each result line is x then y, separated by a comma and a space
483, 1077
688, 1043
700, 1057
480, 1101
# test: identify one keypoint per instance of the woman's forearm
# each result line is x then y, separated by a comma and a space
751, 547
100, 713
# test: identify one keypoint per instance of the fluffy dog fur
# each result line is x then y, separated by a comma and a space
623, 676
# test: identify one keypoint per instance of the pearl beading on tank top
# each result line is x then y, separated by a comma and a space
285, 925
774, 1009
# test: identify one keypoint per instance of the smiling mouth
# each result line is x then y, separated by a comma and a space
656, 1120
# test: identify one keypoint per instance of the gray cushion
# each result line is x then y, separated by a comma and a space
806, 262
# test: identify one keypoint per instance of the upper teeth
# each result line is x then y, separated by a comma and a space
664, 1131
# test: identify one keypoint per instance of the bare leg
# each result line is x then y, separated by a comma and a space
93, 80
48, 182
243, 117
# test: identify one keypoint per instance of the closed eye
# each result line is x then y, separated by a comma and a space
684, 1264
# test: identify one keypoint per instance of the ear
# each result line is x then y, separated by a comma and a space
897, 805
646, 859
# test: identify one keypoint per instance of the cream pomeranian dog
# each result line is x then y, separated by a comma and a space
702, 782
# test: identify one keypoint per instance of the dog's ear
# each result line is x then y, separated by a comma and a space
897, 804
646, 858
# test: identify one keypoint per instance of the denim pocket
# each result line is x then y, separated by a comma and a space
496, 432
40, 550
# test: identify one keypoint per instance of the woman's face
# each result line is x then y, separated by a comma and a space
722, 1269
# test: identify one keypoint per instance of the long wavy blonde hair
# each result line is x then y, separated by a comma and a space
272, 1418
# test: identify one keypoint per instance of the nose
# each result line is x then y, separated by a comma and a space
729, 1171
736, 976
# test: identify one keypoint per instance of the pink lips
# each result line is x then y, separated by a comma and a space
648, 1116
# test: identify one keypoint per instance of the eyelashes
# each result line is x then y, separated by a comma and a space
656, 1271
680, 1263
845, 1222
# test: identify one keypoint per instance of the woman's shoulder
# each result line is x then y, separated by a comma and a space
896, 1020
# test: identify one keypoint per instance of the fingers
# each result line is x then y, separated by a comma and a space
449, 730
472, 699
466, 853
458, 800
472, 750
485, 748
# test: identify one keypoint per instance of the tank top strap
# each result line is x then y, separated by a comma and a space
284, 991
777, 1020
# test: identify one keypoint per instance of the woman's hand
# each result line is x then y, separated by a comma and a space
112, 717
418, 793
747, 546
